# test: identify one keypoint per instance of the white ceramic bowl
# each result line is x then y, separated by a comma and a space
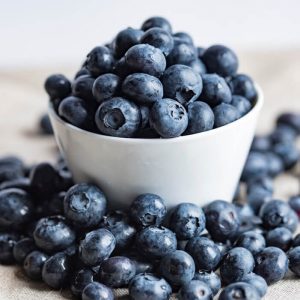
195, 168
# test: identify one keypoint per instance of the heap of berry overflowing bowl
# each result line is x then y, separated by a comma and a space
146, 84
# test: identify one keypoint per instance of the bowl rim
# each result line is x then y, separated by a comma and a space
257, 107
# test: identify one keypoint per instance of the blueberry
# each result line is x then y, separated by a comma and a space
261, 143
211, 279
242, 104
148, 209
243, 85
22, 248
157, 22
76, 111
45, 125
294, 203
57, 86
215, 90
11, 168
81, 72
195, 290
225, 114
276, 213
244, 211
252, 241
155, 288
257, 197
84, 205
57, 270
271, 264
200, 52
82, 88
283, 134
187, 220
168, 118
185, 37
224, 247
201, 117
53, 234
142, 88
204, 252
294, 260
222, 220
96, 247
156, 242
147, 59
178, 268
117, 271
264, 183
240, 290
106, 86
296, 241
125, 39
22, 183
99, 61
198, 66
121, 68
256, 281
159, 38
96, 291
288, 153
182, 53
280, 237
141, 264
33, 264
181, 83
275, 164
221, 60
55, 206
237, 263
7, 242
118, 117
290, 119
119, 225
80, 280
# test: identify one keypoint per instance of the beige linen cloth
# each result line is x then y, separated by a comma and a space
23, 100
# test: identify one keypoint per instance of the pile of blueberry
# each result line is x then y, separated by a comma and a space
150, 83
64, 233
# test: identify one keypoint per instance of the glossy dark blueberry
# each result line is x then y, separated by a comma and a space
118, 223
198, 66
237, 263
118, 117
261, 143
11, 168
52, 234
159, 38
283, 134
75, 111
211, 279
125, 39
55, 205
154, 287
258, 282
84, 205
97, 291
215, 90
252, 241
265, 183
201, 117
157, 22
181, 83
142, 88
184, 36
271, 264
240, 290
182, 53
156, 242
148, 209
7, 242
290, 119
296, 241
294, 203
117, 271
57, 86
289, 154
280, 237
33, 264
256, 166
243, 85
276, 213
244, 211
225, 114
204, 252
82, 88
275, 164
222, 220
121, 68
168, 118
195, 290
221, 60
224, 247
99, 61
242, 104
45, 125
294, 260
81, 72
80, 280
56, 270
147, 59
22, 248
106, 86
187, 220
177, 267
96, 247
257, 197
22, 183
